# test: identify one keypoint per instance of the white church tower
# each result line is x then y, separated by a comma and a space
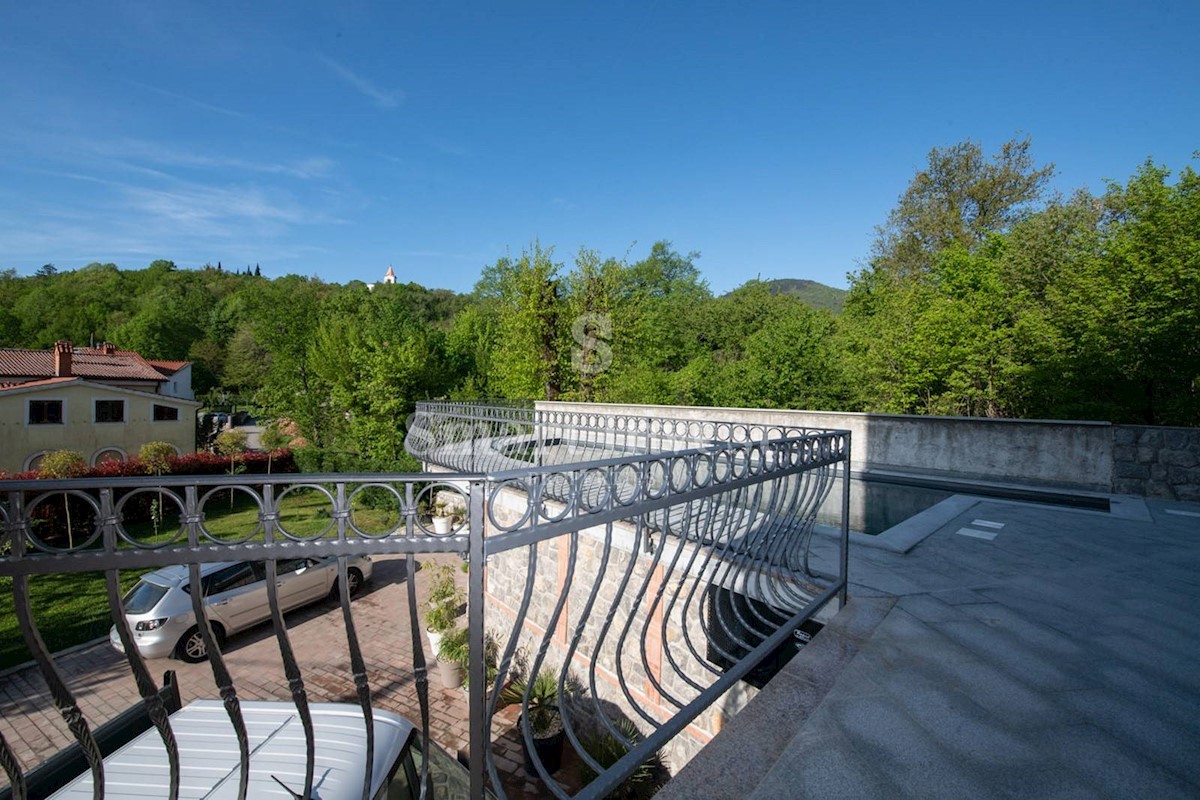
390, 275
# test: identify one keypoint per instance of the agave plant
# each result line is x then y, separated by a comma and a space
542, 710
607, 750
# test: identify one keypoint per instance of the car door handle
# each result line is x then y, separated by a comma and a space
222, 603
279, 583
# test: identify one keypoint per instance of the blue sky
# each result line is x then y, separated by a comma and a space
770, 137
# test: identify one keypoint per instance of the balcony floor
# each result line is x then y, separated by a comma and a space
1057, 659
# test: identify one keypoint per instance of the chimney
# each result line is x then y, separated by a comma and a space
107, 348
62, 359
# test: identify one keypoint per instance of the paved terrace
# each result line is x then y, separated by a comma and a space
1058, 659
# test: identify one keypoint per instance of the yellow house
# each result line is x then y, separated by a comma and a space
100, 402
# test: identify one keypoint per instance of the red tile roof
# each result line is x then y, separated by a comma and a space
4, 387
85, 363
166, 367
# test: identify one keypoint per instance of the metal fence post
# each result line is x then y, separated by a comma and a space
844, 575
477, 669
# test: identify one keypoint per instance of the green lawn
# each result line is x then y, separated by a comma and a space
73, 608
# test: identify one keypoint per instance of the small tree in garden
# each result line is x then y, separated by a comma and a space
64, 464
156, 458
273, 439
231, 443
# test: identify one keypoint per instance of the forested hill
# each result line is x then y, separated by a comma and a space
817, 295
1017, 303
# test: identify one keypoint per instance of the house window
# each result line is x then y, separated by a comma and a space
108, 454
165, 413
110, 411
35, 460
45, 412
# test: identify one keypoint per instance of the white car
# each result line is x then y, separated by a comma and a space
159, 607
209, 765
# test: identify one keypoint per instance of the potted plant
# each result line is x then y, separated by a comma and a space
607, 750
443, 517
453, 655
545, 720
454, 658
441, 606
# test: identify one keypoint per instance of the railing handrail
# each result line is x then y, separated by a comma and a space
736, 512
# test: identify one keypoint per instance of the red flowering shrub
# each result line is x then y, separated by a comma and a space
190, 464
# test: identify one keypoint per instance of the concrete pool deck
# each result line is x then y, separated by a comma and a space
1016, 650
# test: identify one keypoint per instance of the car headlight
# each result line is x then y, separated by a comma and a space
150, 624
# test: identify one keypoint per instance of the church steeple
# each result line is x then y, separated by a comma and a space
390, 275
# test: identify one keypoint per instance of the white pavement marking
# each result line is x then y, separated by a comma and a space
983, 523
974, 534
1179, 513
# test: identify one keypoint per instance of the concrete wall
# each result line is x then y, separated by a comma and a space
19, 440
1157, 461
1055, 453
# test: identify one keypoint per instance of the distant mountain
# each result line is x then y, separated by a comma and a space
817, 295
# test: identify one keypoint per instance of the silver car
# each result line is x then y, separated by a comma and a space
208, 757
159, 607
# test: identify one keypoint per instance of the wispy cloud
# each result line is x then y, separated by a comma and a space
211, 208
381, 98
190, 100
167, 155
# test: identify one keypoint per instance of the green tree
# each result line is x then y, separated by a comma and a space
64, 464
531, 343
960, 198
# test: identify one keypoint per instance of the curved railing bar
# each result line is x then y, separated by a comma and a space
12, 768
291, 669
536, 666
655, 560
576, 637
506, 658
668, 571
420, 668
19, 535
606, 627
147, 688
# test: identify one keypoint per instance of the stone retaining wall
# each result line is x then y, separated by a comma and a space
505, 585
1156, 462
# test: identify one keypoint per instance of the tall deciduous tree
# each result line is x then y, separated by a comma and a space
960, 198
527, 363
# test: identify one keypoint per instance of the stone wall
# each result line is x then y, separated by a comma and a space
1156, 462
505, 585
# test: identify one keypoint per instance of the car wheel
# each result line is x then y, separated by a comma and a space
354, 578
191, 647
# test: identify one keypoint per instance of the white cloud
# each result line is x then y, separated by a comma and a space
381, 98
167, 155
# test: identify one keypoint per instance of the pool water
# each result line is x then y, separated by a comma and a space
876, 506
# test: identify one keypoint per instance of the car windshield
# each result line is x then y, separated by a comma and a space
143, 597
450, 778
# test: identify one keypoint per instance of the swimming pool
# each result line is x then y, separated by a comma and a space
879, 502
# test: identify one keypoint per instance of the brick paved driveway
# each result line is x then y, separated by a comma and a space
100, 680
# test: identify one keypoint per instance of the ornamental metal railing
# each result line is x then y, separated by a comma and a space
648, 565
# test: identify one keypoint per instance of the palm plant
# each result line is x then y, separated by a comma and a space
607, 750
542, 708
